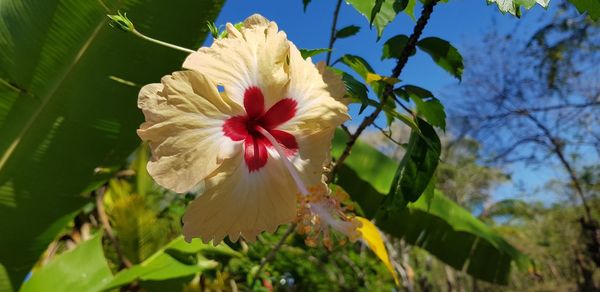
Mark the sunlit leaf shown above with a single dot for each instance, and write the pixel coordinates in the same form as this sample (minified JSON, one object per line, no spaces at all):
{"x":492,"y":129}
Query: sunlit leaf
{"x":443,"y":54}
{"x":81,"y":269}
{"x":372,"y":77}
{"x":68,"y":114}
{"x":358,"y":64}
{"x":177,"y":259}
{"x":372,"y":236}
{"x":514,"y":6}
{"x":383,"y":16}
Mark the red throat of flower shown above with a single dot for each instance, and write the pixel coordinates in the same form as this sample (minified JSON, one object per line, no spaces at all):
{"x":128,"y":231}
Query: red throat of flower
{"x":246,"y":127}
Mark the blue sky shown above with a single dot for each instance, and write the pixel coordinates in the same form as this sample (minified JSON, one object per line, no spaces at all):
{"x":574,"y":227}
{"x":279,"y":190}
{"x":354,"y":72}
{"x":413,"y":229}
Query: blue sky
{"x":461,"y":22}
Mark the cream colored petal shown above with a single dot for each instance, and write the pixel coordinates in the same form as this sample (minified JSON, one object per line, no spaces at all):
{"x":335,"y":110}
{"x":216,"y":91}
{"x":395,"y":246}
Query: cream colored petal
{"x":184,"y":119}
{"x":317,"y":110}
{"x":239,"y":203}
{"x":255,"y":55}
{"x":334,"y":82}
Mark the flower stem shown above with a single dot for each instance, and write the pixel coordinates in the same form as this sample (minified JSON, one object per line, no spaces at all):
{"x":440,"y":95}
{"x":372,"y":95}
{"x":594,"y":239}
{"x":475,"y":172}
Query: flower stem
{"x":164,"y":44}
{"x":288,"y":164}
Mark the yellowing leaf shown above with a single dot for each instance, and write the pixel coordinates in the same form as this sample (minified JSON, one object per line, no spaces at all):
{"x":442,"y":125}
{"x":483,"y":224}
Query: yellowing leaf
{"x":372,"y":77}
{"x":371,"y":236}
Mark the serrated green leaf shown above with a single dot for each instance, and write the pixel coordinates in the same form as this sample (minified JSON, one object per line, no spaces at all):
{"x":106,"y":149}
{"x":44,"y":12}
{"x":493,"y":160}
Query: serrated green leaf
{"x":306,"y":53}
{"x":443,"y":54}
{"x":69,"y":119}
{"x":514,"y":6}
{"x":347,"y":31}
{"x":383,"y":16}
{"x":592,"y":7}
{"x":82,"y":269}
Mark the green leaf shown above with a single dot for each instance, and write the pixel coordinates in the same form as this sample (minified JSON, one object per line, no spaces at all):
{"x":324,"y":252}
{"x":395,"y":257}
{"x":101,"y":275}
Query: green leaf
{"x":514,"y":6}
{"x":427,"y":105}
{"x":433,"y":222}
{"x":355,"y":89}
{"x":306,"y":53}
{"x":347,"y":31}
{"x":358,"y":64}
{"x":417,"y":167}
{"x":410,"y":9}
{"x":443,"y":54}
{"x":365,"y":175}
{"x":68,"y":114}
{"x":382,"y":16}
{"x":177,"y":259}
{"x":393,"y":47}
{"x":81,"y":269}
{"x":592,"y":7}
{"x":453,"y":235}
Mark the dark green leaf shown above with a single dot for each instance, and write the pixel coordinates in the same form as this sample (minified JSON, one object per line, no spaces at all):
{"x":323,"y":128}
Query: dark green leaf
{"x":452,"y":234}
{"x":427,"y":105}
{"x":394,"y":47}
{"x":592,"y":7}
{"x":416,"y":168}
{"x":433,"y":222}
{"x":355,"y":89}
{"x":81,"y":269}
{"x":68,"y":114}
{"x":443,"y":54}
{"x":383,"y":16}
{"x":347,"y":31}
{"x":306,"y":53}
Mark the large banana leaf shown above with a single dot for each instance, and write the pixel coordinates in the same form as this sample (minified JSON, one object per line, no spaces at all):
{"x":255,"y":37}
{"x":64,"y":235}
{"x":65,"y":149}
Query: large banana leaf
{"x":436,"y":224}
{"x":68,"y":88}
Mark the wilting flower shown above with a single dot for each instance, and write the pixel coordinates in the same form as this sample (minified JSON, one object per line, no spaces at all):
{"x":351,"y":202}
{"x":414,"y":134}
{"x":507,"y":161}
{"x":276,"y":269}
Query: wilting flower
{"x":219,"y":141}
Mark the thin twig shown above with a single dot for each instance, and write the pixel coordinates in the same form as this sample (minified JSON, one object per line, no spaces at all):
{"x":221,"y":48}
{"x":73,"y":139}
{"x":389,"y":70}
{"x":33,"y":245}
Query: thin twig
{"x":332,"y":37}
{"x":109,"y":231}
{"x":271,"y":255}
{"x":406,"y":53}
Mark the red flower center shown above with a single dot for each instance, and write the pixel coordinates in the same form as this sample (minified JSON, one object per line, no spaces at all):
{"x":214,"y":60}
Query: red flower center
{"x":245,"y":128}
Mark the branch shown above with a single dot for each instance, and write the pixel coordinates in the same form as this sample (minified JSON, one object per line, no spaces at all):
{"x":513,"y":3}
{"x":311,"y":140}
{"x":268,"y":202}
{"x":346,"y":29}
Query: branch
{"x":405,"y":54}
{"x":271,"y":255}
{"x":558,"y":150}
{"x":109,"y":231}
{"x":332,"y":37}
{"x":525,"y":111}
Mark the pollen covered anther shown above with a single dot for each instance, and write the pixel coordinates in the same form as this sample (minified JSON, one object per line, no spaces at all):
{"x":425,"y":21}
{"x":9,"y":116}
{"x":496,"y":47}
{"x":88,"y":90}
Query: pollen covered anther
{"x":319,"y":212}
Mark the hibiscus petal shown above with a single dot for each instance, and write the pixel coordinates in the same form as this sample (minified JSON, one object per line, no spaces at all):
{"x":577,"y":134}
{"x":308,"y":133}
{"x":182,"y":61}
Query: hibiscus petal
{"x":316,"y":109}
{"x":255,"y":55}
{"x":183,"y":114}
{"x":334,"y":82}
{"x":237,"y":202}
